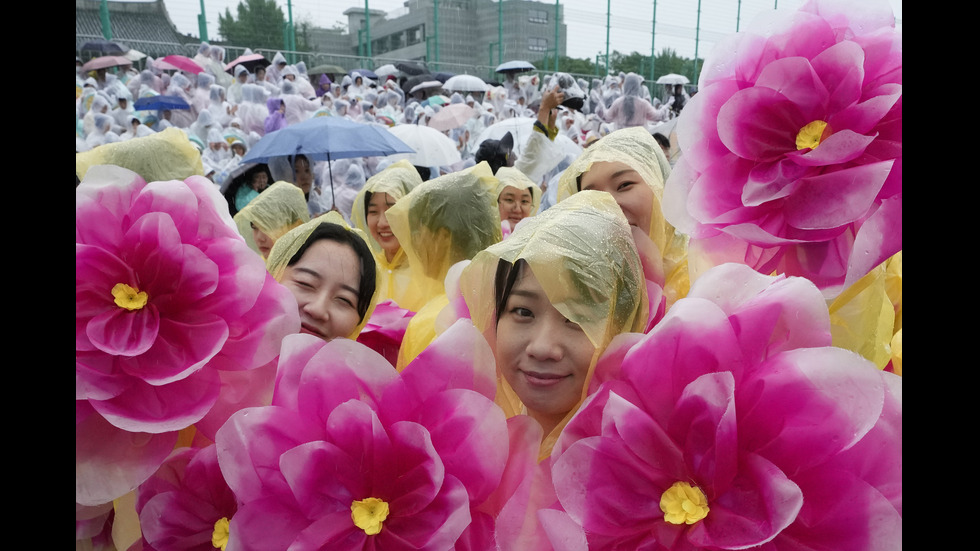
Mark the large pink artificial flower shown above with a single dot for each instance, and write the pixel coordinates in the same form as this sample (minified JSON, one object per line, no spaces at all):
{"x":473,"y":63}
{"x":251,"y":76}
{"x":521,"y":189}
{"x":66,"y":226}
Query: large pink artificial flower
{"x":732,"y":425}
{"x":792,"y":147}
{"x":168,"y":298}
{"x":385,"y":329}
{"x":352,"y":454}
{"x":186,"y":505}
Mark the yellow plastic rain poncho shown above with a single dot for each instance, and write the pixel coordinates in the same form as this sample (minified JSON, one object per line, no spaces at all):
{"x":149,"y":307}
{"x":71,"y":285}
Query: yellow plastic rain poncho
{"x":636,"y":147}
{"x":439,"y":223}
{"x":582,"y":253}
{"x":867,"y":316}
{"x":278,"y":209}
{"x":287,"y":246}
{"x":397,"y":180}
{"x":165,"y":155}
{"x":512,"y":177}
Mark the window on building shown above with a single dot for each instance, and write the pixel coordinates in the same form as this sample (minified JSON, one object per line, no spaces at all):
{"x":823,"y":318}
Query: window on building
{"x":537,"y":44}
{"x":537,"y":16}
{"x":415,"y":35}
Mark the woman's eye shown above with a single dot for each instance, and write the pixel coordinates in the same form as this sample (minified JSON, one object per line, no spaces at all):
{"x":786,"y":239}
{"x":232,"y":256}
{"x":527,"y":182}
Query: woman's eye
{"x":522,"y":312}
{"x":624,"y":185}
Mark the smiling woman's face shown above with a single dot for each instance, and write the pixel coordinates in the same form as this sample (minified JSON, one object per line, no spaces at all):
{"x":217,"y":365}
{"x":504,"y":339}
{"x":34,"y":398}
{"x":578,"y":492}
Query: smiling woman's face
{"x":632,"y":194}
{"x":325,"y":282}
{"x":543,"y":356}
{"x":377,"y":223}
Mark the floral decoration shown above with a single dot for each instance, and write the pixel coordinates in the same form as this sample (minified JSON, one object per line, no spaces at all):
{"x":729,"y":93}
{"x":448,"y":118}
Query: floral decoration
{"x":732,"y":425}
{"x":792,"y":146}
{"x":168,"y":298}
{"x":352,"y":454}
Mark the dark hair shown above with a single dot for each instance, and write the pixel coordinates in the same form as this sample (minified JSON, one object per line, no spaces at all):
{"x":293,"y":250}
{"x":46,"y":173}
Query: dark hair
{"x":503,"y":283}
{"x":339,"y":234}
{"x":424,"y":172}
{"x":244,"y":179}
{"x":661,"y":139}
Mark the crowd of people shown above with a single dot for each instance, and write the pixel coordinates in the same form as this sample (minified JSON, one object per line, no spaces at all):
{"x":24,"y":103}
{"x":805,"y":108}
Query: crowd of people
{"x":230,"y":111}
{"x":484,"y":354}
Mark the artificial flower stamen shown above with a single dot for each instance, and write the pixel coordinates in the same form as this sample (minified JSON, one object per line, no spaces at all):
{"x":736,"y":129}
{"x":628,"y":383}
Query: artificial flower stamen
{"x":219,"y":538}
{"x":128,"y":297}
{"x":368,"y":514}
{"x":810,"y":135}
{"x":683,"y":504}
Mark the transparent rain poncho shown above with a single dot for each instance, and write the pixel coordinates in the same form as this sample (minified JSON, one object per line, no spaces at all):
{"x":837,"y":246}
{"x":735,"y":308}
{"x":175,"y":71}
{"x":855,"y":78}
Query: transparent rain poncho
{"x":444,"y":221}
{"x":278,"y":209}
{"x":441,"y":222}
{"x":397,"y":180}
{"x":287,"y":246}
{"x":165,"y":155}
{"x":582,"y":253}
{"x":636,"y":147}
{"x":512,"y":177}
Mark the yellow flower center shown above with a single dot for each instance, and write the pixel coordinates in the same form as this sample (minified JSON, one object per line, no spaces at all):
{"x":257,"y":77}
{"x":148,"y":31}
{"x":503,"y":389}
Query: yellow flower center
{"x":368,"y":514}
{"x":810,"y":135}
{"x":128,"y":297}
{"x":219,"y":538}
{"x":683,"y":504}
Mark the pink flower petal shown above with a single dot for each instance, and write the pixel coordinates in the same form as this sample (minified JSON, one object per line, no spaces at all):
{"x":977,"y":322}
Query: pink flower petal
{"x":110,"y":462}
{"x":250,"y":444}
{"x":145,"y":408}
{"x":470,"y":434}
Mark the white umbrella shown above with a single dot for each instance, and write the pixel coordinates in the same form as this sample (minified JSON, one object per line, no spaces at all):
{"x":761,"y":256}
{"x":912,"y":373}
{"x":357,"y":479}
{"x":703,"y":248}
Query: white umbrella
{"x":386,"y":70}
{"x":517,"y":66}
{"x":465,"y":83}
{"x":673,"y":78}
{"x":520,"y":128}
{"x":432,"y":148}
{"x":425,"y":85}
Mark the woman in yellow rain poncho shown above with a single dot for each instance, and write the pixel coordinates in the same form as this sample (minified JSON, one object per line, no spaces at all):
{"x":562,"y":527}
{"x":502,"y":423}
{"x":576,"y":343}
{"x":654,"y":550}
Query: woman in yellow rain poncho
{"x":368,"y":214}
{"x":275,"y":211}
{"x":631,"y":166}
{"x":550,"y":298}
{"x":330,"y":270}
{"x":439,"y":223}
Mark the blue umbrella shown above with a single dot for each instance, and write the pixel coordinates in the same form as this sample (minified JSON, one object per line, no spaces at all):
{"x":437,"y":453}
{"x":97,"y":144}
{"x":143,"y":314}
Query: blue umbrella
{"x":160,"y":102}
{"x":326,"y":139}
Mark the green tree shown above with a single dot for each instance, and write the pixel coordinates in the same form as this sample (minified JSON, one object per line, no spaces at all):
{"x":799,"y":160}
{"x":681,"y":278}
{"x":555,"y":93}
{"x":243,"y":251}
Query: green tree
{"x":566,"y":65}
{"x":260,"y":24}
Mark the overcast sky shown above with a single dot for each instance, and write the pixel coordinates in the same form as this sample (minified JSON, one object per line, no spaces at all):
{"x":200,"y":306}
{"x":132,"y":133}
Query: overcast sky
{"x":679,"y":24}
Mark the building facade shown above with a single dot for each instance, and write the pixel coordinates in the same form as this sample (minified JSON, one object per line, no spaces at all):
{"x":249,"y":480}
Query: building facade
{"x":446,"y":34}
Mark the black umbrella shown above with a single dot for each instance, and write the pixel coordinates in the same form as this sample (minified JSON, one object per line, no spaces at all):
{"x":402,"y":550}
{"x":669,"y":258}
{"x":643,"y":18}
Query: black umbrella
{"x":443,"y":76}
{"x":413,"y":81}
{"x":410,"y":68}
{"x":105,"y":47}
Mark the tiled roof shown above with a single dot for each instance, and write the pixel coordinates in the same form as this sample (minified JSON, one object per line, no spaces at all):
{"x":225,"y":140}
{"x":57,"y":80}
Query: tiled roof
{"x":144,"y":26}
